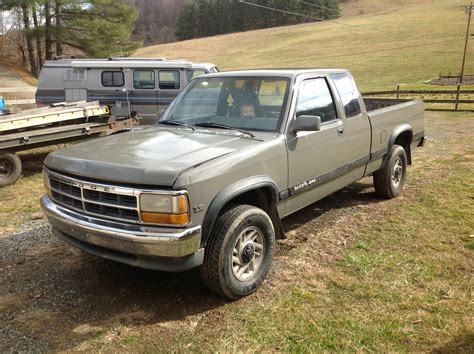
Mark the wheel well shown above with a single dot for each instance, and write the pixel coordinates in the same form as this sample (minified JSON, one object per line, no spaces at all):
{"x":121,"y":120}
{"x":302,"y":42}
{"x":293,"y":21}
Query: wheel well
{"x":265,"y":199}
{"x":260,"y":197}
{"x":404,"y":140}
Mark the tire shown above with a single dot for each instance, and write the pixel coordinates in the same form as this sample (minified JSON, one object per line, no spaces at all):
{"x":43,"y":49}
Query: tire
{"x":242,"y":238}
{"x":389,"y":180}
{"x":10,"y":169}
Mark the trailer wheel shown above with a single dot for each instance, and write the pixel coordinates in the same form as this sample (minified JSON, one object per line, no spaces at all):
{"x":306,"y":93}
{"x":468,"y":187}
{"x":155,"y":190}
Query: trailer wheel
{"x":10,"y":169}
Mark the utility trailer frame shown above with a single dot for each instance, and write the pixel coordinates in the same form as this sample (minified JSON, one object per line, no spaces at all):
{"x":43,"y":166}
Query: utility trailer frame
{"x":56,"y":124}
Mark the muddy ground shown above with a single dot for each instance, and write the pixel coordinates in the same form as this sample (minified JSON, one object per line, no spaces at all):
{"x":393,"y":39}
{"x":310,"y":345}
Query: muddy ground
{"x":53,"y":297}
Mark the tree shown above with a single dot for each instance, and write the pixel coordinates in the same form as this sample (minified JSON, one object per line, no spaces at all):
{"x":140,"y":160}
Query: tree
{"x":99,"y":28}
{"x":201,"y":18}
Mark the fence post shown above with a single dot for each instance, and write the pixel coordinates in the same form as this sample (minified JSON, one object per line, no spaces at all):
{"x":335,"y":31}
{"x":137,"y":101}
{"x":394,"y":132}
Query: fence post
{"x":398,"y":91}
{"x":458,"y":91}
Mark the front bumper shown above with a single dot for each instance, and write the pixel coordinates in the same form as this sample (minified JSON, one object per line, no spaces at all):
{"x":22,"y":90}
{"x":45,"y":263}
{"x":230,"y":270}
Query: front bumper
{"x":158,"y":248}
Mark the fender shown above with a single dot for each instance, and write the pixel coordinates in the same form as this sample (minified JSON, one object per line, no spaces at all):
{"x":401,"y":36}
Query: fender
{"x":396,"y":133}
{"x":234,"y":190}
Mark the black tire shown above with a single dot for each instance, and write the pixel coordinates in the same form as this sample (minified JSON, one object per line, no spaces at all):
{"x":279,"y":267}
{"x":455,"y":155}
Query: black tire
{"x":389,"y":180}
{"x":222,"y":264}
{"x":10,"y":169}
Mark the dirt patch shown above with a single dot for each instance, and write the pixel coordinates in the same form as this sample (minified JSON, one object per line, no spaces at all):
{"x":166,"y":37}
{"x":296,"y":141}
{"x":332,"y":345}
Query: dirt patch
{"x":56,"y":298}
{"x":19,"y":71}
{"x":451,"y":81}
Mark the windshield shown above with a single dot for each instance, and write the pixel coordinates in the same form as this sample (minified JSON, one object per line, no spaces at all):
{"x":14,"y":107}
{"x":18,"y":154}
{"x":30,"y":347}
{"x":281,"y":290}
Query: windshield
{"x":255,"y":103}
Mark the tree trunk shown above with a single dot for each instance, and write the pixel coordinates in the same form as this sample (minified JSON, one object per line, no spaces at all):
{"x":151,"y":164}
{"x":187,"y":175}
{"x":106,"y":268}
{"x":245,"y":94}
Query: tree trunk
{"x":39,"y":51}
{"x":59,"y":40}
{"x":47,"y":34}
{"x":29,"y":42}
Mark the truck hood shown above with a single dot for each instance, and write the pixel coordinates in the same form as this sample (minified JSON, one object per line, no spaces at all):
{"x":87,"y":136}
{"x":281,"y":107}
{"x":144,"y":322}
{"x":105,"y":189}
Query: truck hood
{"x":152,"y":156}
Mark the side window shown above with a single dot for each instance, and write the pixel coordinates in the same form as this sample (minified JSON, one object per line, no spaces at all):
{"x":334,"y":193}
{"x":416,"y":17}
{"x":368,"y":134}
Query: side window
{"x":168,"y":79}
{"x":74,"y":74}
{"x":144,"y":79}
{"x":348,"y":93}
{"x":112,"y":78}
{"x":191,"y":74}
{"x":314,"y":98}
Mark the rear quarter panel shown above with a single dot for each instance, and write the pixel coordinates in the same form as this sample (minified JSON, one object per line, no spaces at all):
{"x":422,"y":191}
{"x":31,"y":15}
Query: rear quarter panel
{"x":385,"y":122}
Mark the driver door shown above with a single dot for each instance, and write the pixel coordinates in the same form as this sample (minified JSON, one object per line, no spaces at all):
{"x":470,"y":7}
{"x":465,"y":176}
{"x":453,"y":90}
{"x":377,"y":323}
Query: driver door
{"x":317,"y":159}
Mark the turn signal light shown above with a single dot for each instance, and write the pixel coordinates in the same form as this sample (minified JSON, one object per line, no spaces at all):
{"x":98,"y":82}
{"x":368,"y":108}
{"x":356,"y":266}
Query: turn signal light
{"x":163,"y":218}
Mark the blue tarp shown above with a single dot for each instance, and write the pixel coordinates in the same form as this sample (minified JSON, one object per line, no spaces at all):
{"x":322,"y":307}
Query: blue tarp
{"x":2,"y":104}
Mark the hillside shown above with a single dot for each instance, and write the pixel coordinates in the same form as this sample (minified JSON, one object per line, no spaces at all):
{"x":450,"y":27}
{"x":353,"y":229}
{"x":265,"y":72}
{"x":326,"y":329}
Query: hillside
{"x":407,"y":45}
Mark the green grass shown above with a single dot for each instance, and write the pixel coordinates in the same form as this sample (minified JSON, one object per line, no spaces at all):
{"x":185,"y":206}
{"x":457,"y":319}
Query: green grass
{"x":407,"y":46}
{"x":405,"y":285}
{"x":20,"y":201}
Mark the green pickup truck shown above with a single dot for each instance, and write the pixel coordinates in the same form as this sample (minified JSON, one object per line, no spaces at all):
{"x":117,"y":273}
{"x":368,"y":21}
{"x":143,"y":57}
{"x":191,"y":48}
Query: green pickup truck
{"x":208,"y":184}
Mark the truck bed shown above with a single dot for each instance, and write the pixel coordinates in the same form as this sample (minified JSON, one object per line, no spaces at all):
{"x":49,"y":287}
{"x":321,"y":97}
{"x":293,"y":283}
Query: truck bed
{"x":384,"y":120}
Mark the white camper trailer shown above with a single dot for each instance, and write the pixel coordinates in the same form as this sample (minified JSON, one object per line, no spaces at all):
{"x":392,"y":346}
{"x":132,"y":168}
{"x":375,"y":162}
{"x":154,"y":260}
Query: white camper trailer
{"x":141,"y":85}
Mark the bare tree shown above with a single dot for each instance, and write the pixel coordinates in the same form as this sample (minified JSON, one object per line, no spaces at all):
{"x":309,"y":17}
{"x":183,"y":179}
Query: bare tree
{"x":39,"y":49}
{"x":47,"y":34}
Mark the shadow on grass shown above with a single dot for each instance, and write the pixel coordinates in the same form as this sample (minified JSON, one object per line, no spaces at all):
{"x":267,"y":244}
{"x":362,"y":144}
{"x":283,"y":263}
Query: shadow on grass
{"x":32,"y":163}
{"x":356,"y":194}
{"x":460,"y":344}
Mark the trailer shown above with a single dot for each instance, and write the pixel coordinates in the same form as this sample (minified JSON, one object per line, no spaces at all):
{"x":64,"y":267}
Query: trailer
{"x":59,"y":123}
{"x":145,"y":85}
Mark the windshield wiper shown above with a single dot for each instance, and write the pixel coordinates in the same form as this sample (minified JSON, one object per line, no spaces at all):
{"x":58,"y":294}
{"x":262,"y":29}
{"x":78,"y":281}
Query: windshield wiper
{"x":223,"y":126}
{"x":177,"y":122}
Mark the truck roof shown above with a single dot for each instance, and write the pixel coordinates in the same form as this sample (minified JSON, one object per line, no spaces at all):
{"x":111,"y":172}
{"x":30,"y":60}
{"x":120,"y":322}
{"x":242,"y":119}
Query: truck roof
{"x":128,"y":63}
{"x":285,"y":72}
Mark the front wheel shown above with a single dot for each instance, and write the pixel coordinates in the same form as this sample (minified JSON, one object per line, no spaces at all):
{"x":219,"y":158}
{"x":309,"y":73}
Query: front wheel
{"x":239,"y":252}
{"x":389,"y":180}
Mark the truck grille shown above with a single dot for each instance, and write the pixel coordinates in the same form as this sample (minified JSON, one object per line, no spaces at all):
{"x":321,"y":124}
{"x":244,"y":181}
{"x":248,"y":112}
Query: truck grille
{"x":95,"y":199}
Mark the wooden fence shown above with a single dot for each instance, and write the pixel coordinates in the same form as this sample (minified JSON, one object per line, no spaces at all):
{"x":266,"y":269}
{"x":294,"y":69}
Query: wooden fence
{"x":427,"y":97}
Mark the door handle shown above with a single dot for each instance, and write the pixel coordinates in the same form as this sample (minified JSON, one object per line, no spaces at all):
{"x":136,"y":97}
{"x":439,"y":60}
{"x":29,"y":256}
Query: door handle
{"x":340,"y":131}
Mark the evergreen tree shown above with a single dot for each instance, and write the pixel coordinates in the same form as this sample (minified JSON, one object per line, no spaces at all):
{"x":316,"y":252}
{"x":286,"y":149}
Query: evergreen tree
{"x":201,"y":18}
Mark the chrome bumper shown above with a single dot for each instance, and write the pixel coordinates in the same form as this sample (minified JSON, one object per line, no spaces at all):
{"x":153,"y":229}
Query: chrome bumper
{"x":137,"y":245}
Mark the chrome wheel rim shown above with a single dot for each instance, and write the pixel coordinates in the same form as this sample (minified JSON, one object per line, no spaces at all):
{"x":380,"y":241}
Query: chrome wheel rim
{"x":247,"y":254}
{"x":397,"y":173}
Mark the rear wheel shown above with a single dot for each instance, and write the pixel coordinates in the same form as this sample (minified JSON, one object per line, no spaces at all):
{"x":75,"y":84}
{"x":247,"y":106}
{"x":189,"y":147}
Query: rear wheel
{"x":10,"y":169}
{"x":239,"y":252}
{"x":389,"y":180}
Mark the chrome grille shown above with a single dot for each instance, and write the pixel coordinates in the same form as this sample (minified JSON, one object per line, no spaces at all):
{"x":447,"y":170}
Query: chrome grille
{"x":116,"y":203}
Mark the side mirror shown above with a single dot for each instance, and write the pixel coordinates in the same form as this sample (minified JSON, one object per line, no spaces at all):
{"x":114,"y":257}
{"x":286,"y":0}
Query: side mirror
{"x":306,"y":123}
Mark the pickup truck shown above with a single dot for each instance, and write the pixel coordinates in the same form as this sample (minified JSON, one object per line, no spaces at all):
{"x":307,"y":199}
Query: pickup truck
{"x":208,"y":184}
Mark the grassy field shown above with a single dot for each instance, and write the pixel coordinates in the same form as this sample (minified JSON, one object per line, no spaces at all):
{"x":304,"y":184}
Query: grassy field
{"x":408,"y":46}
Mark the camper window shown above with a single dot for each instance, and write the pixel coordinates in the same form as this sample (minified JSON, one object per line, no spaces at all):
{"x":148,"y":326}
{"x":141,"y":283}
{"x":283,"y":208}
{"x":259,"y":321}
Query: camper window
{"x":112,"y":78}
{"x":168,"y":79}
{"x":144,"y":79}
{"x":74,"y":74}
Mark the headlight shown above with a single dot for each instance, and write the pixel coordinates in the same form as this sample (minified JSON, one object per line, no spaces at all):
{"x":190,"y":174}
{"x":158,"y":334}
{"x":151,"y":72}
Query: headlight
{"x":164,"y":209}
{"x":47,"y":185}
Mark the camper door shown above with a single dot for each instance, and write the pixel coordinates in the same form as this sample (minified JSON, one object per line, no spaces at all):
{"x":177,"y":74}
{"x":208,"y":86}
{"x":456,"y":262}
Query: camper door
{"x":170,"y":83}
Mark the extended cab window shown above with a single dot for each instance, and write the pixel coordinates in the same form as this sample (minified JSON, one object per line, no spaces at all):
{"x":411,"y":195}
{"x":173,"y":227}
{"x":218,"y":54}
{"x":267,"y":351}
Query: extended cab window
{"x":348,"y":93}
{"x":314,"y":99}
{"x":144,"y":79}
{"x":168,"y":79}
{"x":112,"y":78}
